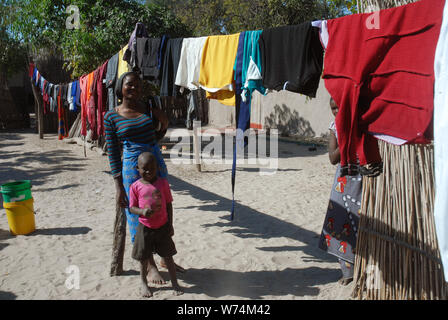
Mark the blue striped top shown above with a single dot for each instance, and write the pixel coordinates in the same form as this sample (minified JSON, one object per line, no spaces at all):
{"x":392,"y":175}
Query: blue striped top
{"x":119,"y":129}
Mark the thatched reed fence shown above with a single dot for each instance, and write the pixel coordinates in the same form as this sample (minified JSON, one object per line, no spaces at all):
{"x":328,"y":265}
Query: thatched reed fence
{"x":397,"y":251}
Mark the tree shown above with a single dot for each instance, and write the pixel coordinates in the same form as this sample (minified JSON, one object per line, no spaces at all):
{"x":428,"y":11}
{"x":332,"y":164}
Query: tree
{"x":104,"y":27}
{"x":231,"y":16}
{"x":13,"y":52}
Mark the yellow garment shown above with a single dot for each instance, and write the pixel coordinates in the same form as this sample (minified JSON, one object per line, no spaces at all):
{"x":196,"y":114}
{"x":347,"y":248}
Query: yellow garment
{"x":122,"y":65}
{"x":216,"y":72}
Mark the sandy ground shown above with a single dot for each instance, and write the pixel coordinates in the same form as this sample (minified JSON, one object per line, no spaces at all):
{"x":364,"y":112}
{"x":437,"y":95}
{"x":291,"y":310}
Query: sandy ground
{"x":269,"y":251}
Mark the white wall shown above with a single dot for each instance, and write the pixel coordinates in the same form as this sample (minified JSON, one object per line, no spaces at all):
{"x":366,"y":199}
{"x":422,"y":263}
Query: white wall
{"x":289,"y":112}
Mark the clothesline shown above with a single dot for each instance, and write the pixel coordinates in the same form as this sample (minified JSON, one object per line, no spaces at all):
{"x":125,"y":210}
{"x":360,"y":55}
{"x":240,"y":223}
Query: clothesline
{"x":181,"y":60}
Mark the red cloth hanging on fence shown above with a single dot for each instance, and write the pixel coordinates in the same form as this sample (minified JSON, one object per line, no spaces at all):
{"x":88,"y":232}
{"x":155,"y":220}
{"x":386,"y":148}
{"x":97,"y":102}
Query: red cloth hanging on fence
{"x":379,"y":69}
{"x":62,"y":121}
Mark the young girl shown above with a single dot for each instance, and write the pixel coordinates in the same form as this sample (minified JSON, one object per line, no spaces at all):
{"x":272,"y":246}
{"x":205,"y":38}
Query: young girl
{"x":340,"y":227}
{"x":150,"y":198}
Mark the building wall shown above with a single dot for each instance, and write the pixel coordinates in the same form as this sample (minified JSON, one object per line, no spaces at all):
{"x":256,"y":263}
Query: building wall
{"x":291,"y":113}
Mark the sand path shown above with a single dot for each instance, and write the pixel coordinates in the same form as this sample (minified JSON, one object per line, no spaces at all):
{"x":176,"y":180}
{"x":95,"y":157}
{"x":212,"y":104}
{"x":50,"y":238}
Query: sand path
{"x":269,"y":251}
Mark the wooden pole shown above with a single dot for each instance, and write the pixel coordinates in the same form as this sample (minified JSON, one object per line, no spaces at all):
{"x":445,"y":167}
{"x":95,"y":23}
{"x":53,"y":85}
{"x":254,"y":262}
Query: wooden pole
{"x":40,"y":110}
{"x":197,"y":144}
{"x":119,"y":242}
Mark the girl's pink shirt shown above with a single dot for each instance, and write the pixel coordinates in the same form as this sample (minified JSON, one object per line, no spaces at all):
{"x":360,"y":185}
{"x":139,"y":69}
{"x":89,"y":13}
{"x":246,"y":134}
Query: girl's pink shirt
{"x":141,"y":195}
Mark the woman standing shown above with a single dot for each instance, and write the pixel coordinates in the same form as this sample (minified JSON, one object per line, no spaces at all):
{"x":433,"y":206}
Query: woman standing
{"x":129,"y":131}
{"x":340,"y":228}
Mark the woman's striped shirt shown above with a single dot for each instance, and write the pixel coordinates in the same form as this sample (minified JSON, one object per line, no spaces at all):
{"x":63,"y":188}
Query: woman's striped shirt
{"x":120,"y":129}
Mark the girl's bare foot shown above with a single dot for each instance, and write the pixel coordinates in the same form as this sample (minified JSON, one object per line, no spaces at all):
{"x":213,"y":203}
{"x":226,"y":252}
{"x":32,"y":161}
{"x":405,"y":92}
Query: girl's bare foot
{"x":178,"y":268}
{"x":146,"y":291}
{"x":154,"y":275}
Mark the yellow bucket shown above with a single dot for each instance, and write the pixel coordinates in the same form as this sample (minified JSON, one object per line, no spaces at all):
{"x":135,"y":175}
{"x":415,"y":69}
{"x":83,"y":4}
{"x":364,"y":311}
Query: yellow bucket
{"x":20,"y":216}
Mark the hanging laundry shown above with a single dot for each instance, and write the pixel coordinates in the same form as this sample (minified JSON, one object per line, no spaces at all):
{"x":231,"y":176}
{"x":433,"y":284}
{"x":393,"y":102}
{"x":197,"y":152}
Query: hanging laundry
{"x":130,"y":55}
{"x":62,"y":122}
{"x":31,"y":69}
{"x":46,"y":98}
{"x":161,"y":56}
{"x":251,"y":65}
{"x":54,"y":104}
{"x":72,"y":98}
{"x":85,"y":95}
{"x":216,"y":70}
{"x":101,"y":99}
{"x":323,"y":31}
{"x":111,"y":77}
{"x":63,"y":94}
{"x":41,"y":84}
{"x":69,"y":95}
{"x":440,"y":141}
{"x":122,"y":66}
{"x":242,"y":113}
{"x":34,"y":75}
{"x":189,"y":63}
{"x":291,"y":58}
{"x":170,"y":66}
{"x":50,"y":96}
{"x":377,"y":84}
{"x":91,"y":105}
{"x":37,"y":78}
{"x":78,"y":95}
{"x":193,"y":109}
{"x":148,"y":58}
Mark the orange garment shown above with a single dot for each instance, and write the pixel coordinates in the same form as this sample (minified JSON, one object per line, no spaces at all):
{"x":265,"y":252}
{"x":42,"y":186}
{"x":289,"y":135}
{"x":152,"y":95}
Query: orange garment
{"x":85,"y":83}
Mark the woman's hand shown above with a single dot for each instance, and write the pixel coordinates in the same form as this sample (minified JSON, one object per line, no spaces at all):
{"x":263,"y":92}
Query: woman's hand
{"x":121,"y":198}
{"x":161,"y":116}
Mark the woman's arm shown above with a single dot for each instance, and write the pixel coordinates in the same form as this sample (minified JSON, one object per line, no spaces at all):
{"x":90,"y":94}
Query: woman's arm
{"x":114,"y":154}
{"x":333,"y":149}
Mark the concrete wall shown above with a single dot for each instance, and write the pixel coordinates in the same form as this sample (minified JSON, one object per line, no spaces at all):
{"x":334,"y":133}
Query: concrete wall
{"x":289,"y":112}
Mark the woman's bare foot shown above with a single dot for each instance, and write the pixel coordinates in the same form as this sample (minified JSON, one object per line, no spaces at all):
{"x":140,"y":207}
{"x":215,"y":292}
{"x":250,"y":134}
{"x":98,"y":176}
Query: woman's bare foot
{"x":154,"y":275}
{"x":146,"y":291}
{"x":345,"y":281}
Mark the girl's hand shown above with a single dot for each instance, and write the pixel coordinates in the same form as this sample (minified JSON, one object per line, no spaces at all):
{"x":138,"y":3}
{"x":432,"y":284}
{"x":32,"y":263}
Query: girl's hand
{"x":148,"y":212}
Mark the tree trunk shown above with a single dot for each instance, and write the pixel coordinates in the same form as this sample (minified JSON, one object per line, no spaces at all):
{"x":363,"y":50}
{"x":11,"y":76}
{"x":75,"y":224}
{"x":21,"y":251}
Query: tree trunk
{"x":119,"y":242}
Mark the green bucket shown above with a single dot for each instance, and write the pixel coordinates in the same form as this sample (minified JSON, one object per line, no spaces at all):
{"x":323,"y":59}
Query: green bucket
{"x":16,"y":191}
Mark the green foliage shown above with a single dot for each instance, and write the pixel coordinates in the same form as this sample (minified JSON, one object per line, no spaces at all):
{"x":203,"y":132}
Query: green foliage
{"x":105,"y":27}
{"x":12,"y":52}
{"x":350,"y":5}
{"x":231,"y":16}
